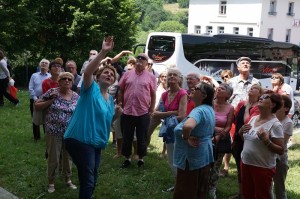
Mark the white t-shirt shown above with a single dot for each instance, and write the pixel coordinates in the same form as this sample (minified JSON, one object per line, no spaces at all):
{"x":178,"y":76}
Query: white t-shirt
{"x":288,"y":127}
{"x":287,"y":90}
{"x":255,"y":152}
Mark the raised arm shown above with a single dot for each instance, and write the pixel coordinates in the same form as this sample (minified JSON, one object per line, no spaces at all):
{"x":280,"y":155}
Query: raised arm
{"x":120,"y":55}
{"x":107,"y":45}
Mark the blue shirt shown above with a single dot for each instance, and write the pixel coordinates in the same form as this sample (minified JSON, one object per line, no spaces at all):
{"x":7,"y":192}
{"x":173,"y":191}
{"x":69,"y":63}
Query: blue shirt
{"x":92,"y":118}
{"x":202,"y":155}
{"x":35,"y":84}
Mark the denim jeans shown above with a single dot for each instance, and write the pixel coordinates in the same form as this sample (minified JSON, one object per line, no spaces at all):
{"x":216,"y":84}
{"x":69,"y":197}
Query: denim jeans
{"x":87,"y":160}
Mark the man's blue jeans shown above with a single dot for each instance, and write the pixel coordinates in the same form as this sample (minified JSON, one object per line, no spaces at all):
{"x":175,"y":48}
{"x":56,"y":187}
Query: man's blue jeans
{"x":87,"y":160}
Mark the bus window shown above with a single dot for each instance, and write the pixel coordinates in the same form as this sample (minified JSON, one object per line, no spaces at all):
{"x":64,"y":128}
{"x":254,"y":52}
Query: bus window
{"x":161,"y":48}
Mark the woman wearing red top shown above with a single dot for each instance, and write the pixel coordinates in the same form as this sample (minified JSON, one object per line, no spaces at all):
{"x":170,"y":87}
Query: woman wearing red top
{"x":174,"y":102}
{"x":244,"y":111}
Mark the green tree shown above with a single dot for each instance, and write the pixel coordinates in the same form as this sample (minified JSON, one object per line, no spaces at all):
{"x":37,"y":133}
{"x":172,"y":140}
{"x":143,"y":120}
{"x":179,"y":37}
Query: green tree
{"x":151,"y":14}
{"x":171,"y":26}
{"x":183,"y":3}
{"x":67,"y":28}
{"x":182,"y":17}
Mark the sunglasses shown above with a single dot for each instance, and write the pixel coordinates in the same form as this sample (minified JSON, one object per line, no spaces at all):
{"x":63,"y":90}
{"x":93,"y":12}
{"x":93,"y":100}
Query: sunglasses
{"x":274,"y":77}
{"x":66,"y":78}
{"x":225,"y":76}
{"x":141,"y":58}
{"x":264,"y":97}
{"x":150,"y":64}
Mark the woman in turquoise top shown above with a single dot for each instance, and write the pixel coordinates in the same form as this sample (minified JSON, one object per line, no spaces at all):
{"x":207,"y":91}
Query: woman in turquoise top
{"x":89,"y":128}
{"x":193,"y":152}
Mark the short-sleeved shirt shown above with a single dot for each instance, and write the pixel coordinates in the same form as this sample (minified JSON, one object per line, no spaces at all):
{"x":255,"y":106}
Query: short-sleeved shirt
{"x":91,"y":121}
{"x":4,"y":72}
{"x":47,"y":84}
{"x":288,"y":127}
{"x":201,"y":155}
{"x":240,"y":88}
{"x":59,"y":113}
{"x":137,"y":89}
{"x":287,"y":90}
{"x":255,"y":151}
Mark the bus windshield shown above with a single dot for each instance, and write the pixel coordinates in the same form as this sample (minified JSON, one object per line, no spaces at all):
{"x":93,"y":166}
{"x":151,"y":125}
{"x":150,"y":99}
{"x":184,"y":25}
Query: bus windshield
{"x":161,"y":48}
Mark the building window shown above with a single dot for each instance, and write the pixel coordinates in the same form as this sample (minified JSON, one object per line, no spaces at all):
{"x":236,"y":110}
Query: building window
{"x":272,"y":10}
{"x":270,"y":33}
{"x":223,"y":5}
{"x":288,"y":35}
{"x":209,"y":29}
{"x":236,"y":30}
{"x":291,"y":9}
{"x":197,"y":29}
{"x":250,"y":32}
{"x":220,"y":29}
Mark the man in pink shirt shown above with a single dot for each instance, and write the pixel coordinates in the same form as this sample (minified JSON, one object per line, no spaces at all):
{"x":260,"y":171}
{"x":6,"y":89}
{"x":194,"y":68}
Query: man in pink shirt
{"x":137,"y":96}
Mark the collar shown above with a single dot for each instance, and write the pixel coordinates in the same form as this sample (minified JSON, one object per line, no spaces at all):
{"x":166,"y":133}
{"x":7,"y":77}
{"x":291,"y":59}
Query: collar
{"x":46,"y":74}
{"x":250,"y":78}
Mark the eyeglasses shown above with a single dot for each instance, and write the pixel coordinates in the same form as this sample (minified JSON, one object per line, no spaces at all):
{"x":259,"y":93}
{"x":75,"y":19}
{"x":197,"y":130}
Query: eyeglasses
{"x":172,"y":74}
{"x":163,"y":76}
{"x":191,"y":78}
{"x":57,"y":65}
{"x":150,"y":64}
{"x":66,"y":78}
{"x":274,"y":77}
{"x":141,"y":58}
{"x":264,"y":97}
{"x":225,"y":76}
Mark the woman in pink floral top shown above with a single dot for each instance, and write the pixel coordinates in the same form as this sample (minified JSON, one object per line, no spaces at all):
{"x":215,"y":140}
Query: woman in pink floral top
{"x":60,"y":104}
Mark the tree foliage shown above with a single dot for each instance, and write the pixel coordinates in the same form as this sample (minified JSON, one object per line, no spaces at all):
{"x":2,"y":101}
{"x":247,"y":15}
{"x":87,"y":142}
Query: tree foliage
{"x":171,"y":26}
{"x":66,"y":28}
{"x":183,"y":3}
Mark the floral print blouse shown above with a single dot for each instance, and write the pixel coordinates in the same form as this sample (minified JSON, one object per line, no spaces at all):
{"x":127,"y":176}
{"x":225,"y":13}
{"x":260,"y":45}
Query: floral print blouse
{"x":59,"y":113}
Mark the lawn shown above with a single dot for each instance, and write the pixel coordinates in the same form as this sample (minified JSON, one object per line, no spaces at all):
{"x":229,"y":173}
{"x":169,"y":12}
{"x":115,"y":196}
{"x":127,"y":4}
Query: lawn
{"x":23,"y":166}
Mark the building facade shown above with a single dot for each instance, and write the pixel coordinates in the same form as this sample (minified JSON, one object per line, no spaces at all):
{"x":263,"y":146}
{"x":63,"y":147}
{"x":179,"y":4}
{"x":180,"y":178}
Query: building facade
{"x":274,"y":19}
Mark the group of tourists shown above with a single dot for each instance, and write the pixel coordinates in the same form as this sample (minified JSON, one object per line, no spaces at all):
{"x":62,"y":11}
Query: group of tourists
{"x":201,"y":125}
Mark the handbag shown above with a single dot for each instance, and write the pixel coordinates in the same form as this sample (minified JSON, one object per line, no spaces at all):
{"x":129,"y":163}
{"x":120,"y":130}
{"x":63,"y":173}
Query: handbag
{"x":38,"y":117}
{"x":224,"y":145}
{"x":167,"y":129}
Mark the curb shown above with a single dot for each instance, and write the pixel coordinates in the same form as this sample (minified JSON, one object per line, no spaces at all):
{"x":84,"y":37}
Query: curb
{"x":6,"y":195}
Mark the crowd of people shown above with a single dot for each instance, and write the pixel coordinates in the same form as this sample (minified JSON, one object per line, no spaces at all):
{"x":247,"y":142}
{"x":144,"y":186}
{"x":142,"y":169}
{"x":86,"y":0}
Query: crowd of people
{"x":213,"y":120}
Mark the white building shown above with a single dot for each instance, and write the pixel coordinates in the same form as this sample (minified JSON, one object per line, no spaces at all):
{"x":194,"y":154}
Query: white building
{"x":274,"y":19}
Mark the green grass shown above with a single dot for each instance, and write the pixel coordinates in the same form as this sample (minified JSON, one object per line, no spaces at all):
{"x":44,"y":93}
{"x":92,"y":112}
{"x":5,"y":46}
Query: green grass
{"x":23,"y":167}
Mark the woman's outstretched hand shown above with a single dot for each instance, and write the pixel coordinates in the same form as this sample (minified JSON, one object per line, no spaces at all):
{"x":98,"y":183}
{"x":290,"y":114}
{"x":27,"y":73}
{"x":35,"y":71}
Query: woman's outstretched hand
{"x":108,"y":43}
